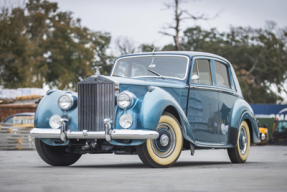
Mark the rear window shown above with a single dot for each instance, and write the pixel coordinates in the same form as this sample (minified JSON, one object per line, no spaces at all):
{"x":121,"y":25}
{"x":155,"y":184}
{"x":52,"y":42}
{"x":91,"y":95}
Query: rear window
{"x":222,"y":75}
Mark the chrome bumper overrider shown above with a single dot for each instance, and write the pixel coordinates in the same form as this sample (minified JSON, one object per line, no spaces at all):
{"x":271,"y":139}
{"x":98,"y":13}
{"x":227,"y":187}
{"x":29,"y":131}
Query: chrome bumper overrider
{"x":114,"y":134}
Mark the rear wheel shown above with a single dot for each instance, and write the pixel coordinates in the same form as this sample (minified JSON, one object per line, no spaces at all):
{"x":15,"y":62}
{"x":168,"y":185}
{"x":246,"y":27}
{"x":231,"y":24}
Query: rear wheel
{"x":165,"y":150}
{"x":55,"y":155}
{"x":240,"y":153}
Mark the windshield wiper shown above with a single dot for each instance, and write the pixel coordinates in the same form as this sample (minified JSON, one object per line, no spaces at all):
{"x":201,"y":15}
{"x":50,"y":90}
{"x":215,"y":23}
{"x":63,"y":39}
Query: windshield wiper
{"x":155,"y":73}
{"x":117,"y":75}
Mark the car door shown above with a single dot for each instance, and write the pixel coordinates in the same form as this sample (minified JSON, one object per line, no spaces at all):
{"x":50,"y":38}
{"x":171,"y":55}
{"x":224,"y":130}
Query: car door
{"x":226,"y":97}
{"x":202,"y":111}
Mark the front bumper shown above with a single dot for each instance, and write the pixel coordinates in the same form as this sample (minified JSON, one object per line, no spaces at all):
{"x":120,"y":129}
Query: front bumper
{"x":44,"y":133}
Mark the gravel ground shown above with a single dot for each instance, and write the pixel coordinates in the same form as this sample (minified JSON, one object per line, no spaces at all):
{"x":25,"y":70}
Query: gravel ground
{"x":208,"y":170}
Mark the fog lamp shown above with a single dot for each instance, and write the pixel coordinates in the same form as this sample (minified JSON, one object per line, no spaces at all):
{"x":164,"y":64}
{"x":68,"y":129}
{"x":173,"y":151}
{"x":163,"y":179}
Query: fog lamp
{"x":126,"y":121}
{"x":55,"y":121}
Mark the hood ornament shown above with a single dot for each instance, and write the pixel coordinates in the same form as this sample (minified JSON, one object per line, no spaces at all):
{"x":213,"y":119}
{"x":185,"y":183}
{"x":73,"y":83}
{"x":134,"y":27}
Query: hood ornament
{"x":98,"y":70}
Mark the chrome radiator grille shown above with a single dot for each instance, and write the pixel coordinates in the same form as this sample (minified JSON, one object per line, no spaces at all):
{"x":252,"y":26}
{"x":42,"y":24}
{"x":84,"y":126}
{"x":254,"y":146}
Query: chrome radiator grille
{"x":96,"y":101}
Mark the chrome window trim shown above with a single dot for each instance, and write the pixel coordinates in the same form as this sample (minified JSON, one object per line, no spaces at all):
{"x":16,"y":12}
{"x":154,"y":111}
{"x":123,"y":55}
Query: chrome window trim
{"x":191,"y":69}
{"x":186,"y":71}
{"x":229,"y":74}
{"x":230,"y":71}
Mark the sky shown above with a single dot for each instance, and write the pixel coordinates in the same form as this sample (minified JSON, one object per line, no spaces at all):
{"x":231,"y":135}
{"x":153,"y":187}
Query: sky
{"x":141,"y":20}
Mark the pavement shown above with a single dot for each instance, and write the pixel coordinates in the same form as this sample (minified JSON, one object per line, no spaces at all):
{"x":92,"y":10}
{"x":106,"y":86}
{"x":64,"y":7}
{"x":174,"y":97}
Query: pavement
{"x":208,"y":170}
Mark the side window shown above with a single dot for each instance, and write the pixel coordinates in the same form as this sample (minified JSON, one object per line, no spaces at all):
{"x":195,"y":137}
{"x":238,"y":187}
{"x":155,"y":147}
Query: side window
{"x":222,"y":76}
{"x":201,"y":67}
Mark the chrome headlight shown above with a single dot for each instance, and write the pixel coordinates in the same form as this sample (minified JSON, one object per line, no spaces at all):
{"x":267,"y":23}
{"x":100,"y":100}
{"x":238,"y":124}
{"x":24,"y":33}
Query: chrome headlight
{"x":125,"y":99}
{"x":66,"y":101}
{"x":126,"y":121}
{"x":55,"y":121}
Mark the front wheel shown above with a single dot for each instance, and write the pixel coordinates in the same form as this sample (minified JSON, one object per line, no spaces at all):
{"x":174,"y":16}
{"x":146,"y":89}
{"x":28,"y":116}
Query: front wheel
{"x":240,"y":153}
{"x":165,"y":150}
{"x":55,"y":155}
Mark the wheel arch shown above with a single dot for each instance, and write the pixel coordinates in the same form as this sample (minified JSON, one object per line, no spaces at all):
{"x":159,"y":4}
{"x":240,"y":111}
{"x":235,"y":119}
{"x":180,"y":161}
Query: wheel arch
{"x":158,"y":101}
{"x":243,"y":112}
{"x":250,"y":129}
{"x":172,"y":110}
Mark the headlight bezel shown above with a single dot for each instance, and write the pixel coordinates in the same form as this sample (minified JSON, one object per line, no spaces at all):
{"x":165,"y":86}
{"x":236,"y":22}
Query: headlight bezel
{"x":71,"y":98}
{"x":130,"y":100}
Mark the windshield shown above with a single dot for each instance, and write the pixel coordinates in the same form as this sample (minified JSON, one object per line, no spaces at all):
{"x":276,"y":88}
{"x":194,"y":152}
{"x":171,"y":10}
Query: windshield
{"x":152,"y":66}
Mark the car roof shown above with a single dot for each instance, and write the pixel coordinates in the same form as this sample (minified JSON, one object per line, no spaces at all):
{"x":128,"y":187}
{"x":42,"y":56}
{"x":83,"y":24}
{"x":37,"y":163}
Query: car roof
{"x":186,"y":53}
{"x":23,"y":114}
{"x":20,"y":114}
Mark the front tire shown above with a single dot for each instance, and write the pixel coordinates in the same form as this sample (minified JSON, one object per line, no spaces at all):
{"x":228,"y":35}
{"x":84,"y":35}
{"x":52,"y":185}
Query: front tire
{"x":165,"y":150}
{"x":55,"y":155}
{"x":240,"y":153}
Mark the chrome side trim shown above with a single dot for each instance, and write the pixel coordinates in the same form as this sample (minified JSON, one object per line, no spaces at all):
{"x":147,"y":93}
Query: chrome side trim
{"x":212,"y":145}
{"x":215,"y":89}
{"x":45,"y":133}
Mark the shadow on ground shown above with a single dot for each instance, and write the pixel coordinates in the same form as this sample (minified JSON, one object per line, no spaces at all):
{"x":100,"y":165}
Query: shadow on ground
{"x":141,"y":165}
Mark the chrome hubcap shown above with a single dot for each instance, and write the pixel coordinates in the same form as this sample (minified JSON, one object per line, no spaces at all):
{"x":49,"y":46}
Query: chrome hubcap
{"x":243,"y":140}
{"x":165,"y":144}
{"x":164,"y":140}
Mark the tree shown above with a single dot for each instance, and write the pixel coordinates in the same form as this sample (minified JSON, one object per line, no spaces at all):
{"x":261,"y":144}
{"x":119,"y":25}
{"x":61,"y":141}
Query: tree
{"x":47,"y":45}
{"x":125,"y":45}
{"x":179,"y":16}
{"x":258,"y":57}
{"x":147,"y":48}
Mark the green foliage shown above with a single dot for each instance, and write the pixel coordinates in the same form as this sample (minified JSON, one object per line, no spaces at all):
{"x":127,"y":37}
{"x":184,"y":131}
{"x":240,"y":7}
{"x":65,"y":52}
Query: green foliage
{"x":169,"y":47}
{"x":45,"y":45}
{"x":258,"y":56}
{"x":147,"y":48}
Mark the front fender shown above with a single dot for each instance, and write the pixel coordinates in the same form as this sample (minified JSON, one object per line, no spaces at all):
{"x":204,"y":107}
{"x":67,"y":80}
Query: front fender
{"x":154,"y":104}
{"x":49,"y":107}
{"x":242,"y":111}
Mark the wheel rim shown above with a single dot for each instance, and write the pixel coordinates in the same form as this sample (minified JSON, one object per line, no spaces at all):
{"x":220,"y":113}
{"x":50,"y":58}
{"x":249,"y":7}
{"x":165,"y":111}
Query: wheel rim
{"x":164,"y":145}
{"x":243,"y":140}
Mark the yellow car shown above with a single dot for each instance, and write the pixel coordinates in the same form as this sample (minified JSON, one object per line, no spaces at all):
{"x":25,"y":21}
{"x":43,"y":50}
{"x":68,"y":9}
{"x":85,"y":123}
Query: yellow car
{"x":263,"y":130}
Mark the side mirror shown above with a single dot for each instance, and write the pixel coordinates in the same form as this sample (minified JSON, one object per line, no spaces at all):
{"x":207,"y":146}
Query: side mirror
{"x":195,"y":79}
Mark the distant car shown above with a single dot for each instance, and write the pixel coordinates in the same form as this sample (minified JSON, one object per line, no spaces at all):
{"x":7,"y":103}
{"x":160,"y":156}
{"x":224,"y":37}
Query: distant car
{"x":279,"y":132}
{"x":263,"y":130}
{"x":10,"y":118}
{"x":154,"y":105}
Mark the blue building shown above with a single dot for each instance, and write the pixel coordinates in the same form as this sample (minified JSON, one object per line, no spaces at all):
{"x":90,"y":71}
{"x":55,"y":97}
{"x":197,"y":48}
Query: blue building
{"x":270,"y":111}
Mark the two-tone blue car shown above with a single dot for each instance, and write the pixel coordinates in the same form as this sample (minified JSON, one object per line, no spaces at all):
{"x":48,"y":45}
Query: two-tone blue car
{"x":154,"y":105}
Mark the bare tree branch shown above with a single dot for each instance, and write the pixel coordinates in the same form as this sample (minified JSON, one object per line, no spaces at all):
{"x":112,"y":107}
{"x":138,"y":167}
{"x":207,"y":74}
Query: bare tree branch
{"x":255,"y":62}
{"x":125,"y":45}
{"x":164,"y":33}
{"x":179,"y":16}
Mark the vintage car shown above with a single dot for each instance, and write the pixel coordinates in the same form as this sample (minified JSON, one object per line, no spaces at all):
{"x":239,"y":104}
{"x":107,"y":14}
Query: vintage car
{"x":152,"y":104}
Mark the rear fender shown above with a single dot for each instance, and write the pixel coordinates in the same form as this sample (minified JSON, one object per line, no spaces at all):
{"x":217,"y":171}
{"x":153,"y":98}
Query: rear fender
{"x":243,"y":112}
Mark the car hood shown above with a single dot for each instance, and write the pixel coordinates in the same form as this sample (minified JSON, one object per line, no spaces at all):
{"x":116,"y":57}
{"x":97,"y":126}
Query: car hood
{"x":148,"y":82}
